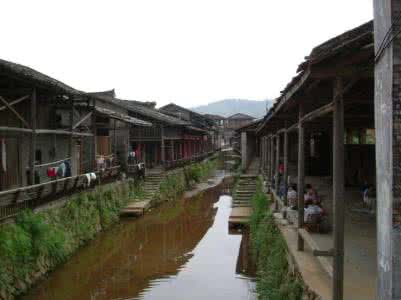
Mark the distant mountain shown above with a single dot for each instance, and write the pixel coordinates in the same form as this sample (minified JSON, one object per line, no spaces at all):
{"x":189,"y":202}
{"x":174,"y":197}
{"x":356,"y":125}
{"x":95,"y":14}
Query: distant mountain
{"x":229,"y":107}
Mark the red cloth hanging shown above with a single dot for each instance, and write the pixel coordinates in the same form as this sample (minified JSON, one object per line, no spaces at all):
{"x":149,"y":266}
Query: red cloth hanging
{"x":138,"y":152}
{"x":51,"y":172}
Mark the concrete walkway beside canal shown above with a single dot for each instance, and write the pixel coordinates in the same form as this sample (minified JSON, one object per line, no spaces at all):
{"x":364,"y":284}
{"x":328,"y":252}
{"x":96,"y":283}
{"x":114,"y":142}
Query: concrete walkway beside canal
{"x":360,"y":253}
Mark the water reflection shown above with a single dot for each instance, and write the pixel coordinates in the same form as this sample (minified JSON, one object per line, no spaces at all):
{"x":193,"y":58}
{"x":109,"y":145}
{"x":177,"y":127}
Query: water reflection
{"x":181,"y":250}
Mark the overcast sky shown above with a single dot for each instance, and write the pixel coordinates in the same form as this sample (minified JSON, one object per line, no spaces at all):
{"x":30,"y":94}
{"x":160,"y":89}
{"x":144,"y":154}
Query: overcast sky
{"x":184,"y":51}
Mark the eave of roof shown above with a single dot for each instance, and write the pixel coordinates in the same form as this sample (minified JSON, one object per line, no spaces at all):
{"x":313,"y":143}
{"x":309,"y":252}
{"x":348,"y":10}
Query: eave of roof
{"x":151,"y":113}
{"x":354,"y":37}
{"x":240,"y":116}
{"x":122,"y":117}
{"x":250,"y":127}
{"x":187,"y":110}
{"x":196,"y":129}
{"x":37,"y":78}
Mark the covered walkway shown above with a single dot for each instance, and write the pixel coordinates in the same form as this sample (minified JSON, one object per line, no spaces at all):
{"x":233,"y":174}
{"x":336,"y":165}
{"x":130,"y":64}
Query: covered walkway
{"x":319,"y":139}
{"x":360,"y":270}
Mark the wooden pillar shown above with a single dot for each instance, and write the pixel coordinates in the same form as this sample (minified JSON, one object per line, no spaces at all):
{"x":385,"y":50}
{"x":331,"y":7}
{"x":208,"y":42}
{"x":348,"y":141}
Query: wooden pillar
{"x":262,"y":153}
{"x":172,"y":152}
{"x":244,"y":150}
{"x":338,"y":190}
{"x":114,"y":138}
{"x":162,"y":145}
{"x":387,"y":123}
{"x":71,"y":150}
{"x":33,"y":137}
{"x":268,"y":157}
{"x":265,"y":154}
{"x":271,"y":157}
{"x":94,"y":132}
{"x":285,"y":173}
{"x":301,"y":174}
{"x":266,"y":145}
{"x":277,"y":166}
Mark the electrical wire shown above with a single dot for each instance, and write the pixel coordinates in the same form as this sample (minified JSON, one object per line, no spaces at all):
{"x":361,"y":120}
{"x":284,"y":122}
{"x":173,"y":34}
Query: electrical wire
{"x":388,"y":38}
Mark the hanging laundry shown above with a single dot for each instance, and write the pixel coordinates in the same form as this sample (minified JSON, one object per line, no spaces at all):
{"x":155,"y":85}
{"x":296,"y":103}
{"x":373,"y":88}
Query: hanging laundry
{"x":93,"y":176}
{"x":61,"y":170}
{"x":67,"y":168}
{"x":100,"y":162}
{"x":88,"y":180}
{"x":52,"y":172}
{"x":138,"y":152}
{"x":3,"y":155}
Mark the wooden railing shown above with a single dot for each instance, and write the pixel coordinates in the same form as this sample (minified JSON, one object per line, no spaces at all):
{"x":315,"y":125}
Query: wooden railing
{"x":15,"y":200}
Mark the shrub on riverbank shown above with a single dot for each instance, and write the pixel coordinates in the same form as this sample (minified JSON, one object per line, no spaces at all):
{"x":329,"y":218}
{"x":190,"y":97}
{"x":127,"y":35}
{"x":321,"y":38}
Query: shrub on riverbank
{"x":195,"y":173}
{"x":177,"y":182}
{"x":36,"y":243}
{"x":274,"y":281}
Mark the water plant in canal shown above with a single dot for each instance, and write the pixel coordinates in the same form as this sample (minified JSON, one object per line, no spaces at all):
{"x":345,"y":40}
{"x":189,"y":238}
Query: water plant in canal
{"x":274,"y":281}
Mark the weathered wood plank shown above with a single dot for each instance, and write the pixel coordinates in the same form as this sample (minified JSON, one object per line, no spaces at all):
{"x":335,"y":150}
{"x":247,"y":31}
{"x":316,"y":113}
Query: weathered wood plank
{"x":15,"y":112}
{"x":15,"y":102}
{"x":285,"y":173}
{"x":82,"y":120}
{"x":301,"y":174}
{"x":338,"y":190}
{"x":33,"y":136}
{"x":321,"y":111}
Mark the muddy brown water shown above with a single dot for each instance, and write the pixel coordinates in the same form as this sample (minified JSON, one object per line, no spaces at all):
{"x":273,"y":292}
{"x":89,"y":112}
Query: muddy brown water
{"x":180,"y":250}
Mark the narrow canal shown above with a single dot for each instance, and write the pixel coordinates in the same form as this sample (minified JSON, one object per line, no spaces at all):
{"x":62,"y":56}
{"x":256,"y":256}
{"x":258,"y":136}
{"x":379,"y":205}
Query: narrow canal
{"x":180,"y":250}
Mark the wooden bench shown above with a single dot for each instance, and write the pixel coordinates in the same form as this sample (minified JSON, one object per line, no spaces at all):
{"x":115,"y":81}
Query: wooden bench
{"x":320,"y":254}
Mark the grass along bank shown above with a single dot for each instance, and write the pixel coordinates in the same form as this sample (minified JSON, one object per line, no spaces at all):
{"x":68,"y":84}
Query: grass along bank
{"x":274,"y":279}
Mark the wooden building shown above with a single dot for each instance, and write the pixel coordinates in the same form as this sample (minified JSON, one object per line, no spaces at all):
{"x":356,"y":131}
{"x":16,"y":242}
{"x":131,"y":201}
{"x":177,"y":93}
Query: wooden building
{"x":219,"y":129}
{"x":246,"y":142}
{"x":113,"y":125}
{"x":37,"y":128}
{"x":321,"y":131}
{"x":51,"y":136}
{"x":232,"y":123}
{"x":199,"y":123}
{"x":168,"y":139}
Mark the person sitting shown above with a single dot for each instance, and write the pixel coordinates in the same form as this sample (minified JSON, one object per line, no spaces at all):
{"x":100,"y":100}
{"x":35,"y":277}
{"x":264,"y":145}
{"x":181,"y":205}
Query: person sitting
{"x":310,"y":195}
{"x":292,"y":196}
{"x":365,"y":194}
{"x":313,"y":212}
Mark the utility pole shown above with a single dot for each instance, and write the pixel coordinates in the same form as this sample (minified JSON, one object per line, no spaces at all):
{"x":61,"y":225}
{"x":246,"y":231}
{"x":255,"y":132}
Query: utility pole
{"x":388,"y":145}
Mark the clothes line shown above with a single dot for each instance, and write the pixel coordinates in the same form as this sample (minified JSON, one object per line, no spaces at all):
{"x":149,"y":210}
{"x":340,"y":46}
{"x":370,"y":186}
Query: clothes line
{"x":52,"y":163}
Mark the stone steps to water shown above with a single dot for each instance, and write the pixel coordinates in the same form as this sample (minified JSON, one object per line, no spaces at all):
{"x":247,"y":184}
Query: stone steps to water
{"x":244,"y":193}
{"x":151,"y":187}
{"x":241,"y":204}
